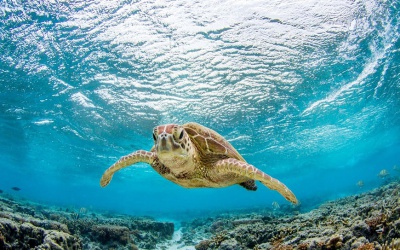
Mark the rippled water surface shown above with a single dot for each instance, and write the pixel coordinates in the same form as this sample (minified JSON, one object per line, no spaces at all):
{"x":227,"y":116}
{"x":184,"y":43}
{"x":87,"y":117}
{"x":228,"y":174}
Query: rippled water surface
{"x":307,"y":91}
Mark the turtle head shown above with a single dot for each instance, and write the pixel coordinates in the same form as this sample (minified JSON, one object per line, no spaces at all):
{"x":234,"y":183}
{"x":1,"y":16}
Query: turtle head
{"x":172,"y":144}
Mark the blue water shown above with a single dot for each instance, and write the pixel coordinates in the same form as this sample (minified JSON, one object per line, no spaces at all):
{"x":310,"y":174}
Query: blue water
{"x":307,"y":91}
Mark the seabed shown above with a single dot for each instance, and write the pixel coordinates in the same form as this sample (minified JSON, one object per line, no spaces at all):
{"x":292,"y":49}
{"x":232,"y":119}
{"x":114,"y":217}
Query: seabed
{"x":370,"y":220}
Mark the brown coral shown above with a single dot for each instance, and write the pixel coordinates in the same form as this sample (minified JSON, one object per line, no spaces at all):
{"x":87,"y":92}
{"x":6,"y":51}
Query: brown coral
{"x":367,"y":246}
{"x":393,"y":245}
{"x":376,"y":221}
{"x":278,"y":239}
{"x":302,"y":246}
{"x":203,"y":245}
{"x":282,"y":247}
{"x":219,"y":238}
{"x":335,"y":242}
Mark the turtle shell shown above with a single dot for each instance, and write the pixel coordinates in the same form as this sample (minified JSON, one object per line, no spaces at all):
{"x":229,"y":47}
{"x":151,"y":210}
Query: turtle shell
{"x":210,"y":142}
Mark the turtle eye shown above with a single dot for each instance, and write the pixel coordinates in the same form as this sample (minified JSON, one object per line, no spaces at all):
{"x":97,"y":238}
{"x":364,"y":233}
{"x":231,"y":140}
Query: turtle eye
{"x":181,"y":135}
{"x":154,"y":136}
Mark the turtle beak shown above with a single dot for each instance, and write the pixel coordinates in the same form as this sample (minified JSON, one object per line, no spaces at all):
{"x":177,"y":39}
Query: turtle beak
{"x":163,"y":145}
{"x":166,"y":142}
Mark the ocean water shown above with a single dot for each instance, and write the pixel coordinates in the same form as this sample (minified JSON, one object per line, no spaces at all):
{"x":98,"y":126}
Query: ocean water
{"x":307,"y":91}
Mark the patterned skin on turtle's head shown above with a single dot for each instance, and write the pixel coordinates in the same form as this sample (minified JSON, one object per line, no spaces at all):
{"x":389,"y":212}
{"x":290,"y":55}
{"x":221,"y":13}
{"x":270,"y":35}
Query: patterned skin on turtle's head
{"x":173,"y":146}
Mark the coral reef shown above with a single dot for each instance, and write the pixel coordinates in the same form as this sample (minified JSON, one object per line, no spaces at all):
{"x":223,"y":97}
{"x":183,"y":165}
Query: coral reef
{"x":30,"y":226}
{"x":21,"y":233}
{"x":367,"y":221}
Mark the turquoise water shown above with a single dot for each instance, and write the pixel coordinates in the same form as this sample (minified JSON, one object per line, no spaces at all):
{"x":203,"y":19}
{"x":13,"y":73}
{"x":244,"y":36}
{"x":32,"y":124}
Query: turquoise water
{"x":308,"y":92}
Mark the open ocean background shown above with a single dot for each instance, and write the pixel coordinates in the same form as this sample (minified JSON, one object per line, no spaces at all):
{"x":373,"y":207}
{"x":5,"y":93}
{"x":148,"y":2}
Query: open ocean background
{"x":307,"y":91}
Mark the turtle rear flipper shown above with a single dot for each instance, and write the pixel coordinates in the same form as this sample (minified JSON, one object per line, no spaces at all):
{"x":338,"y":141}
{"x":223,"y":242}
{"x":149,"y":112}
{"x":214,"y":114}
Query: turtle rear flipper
{"x":232,"y":165}
{"x":249,"y":185}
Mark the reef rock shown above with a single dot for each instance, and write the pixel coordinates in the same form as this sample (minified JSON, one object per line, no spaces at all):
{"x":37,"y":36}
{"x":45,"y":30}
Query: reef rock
{"x":31,"y":226}
{"x":25,"y":235}
{"x":367,"y":221}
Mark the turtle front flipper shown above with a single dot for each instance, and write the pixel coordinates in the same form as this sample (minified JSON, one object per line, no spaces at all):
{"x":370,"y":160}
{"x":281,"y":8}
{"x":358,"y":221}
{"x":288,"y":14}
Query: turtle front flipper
{"x":125,"y":161}
{"x":232,"y":165}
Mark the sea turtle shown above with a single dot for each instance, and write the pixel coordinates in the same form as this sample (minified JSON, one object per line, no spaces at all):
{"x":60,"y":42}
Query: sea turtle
{"x":192,"y":155}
